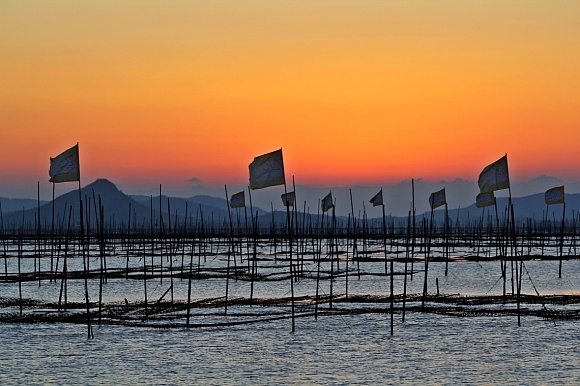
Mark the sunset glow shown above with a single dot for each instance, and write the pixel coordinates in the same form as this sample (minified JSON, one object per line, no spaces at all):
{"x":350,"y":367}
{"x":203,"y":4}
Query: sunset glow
{"x":355,"y":92}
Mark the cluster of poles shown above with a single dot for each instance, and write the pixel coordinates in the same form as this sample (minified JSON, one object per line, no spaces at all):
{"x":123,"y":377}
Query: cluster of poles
{"x":250,"y":246}
{"x":259,"y":251}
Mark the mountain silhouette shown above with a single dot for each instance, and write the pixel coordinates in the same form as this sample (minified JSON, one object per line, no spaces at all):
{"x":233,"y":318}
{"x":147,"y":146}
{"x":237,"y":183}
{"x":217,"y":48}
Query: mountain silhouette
{"x":163,"y":213}
{"x":118,"y":209}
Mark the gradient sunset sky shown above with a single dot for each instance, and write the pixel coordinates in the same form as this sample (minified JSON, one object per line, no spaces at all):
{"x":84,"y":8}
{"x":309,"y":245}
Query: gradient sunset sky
{"x":355,"y":92}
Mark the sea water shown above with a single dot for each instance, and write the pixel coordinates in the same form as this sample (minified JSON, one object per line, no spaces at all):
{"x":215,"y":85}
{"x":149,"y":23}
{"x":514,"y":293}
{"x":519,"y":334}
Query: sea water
{"x":333,"y":349}
{"x":426,"y":349}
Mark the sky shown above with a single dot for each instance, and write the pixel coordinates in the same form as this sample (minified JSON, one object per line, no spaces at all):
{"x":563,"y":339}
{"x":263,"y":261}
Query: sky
{"x":356,"y":93}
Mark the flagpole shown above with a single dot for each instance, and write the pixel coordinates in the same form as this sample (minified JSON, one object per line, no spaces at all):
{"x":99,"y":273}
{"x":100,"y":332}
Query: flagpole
{"x":52,"y":235}
{"x":38,"y":232}
{"x":291,"y":264}
{"x":89,"y":327}
{"x":406,"y":265}
{"x":515,"y":253}
{"x":255,"y":235}
{"x":446,"y":237}
{"x":544,"y":223}
{"x":428,"y":250}
{"x":169,"y":247}
{"x":413,"y":229}
{"x":83,"y":252}
{"x":391,"y":263}
{"x":229,"y":250}
{"x":247,"y":236}
{"x":561,"y":241}
{"x":295,"y":215}
{"x":319,"y":245}
{"x":347,"y":238}
{"x":161,"y":238}
{"x":332,"y":242}
{"x":304,"y":242}
{"x":384,"y":237}
{"x":268,"y":170}
{"x":190,"y":276}
{"x":502,"y":264}
{"x":354,"y":239}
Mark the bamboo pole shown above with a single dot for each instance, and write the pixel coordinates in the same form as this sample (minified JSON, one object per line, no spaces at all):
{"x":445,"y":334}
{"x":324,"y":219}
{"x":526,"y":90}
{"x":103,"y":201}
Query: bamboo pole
{"x":354,"y":240}
{"x":291,"y":263}
{"x":190,"y":278}
{"x":562,"y":240}
{"x":413,"y":233}
{"x":407,"y":247}
{"x":85,"y":265}
{"x":38,"y":228}
{"x":63,"y":286}
{"x":170,"y":246}
{"x":52,"y":236}
{"x":230,"y":246}
{"x":20,"y":252}
{"x":427,"y":252}
{"x":255,"y":244}
{"x":319,"y":245}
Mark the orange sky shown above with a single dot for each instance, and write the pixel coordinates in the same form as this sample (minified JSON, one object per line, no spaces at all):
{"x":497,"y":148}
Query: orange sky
{"x":353,"y":91}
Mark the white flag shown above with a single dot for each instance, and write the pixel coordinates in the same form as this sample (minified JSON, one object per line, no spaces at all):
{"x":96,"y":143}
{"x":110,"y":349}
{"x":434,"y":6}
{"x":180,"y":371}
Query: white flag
{"x":65,"y":166}
{"x":554,"y":195}
{"x":377,"y":199}
{"x":267,"y":170}
{"x":238,"y":200}
{"x":288,"y":198}
{"x":495,"y":176}
{"x":327,"y":202}
{"x":436,"y":199}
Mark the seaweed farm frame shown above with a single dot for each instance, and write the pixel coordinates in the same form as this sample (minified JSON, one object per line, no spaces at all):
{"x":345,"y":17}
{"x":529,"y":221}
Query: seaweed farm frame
{"x":195,"y":274}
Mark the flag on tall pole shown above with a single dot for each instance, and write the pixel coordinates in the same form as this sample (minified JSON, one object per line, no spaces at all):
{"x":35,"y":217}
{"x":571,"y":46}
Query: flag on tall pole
{"x":436,"y":199}
{"x":238,"y":200}
{"x":65,"y":167}
{"x":377,"y":199}
{"x":555,"y":195}
{"x":288,"y":199}
{"x":485,"y":199}
{"x":327,"y":202}
{"x":495,"y":176}
{"x":267,"y":170}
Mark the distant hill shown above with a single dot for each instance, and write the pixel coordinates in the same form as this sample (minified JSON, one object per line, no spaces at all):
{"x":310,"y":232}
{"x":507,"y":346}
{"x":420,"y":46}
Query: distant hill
{"x":528,"y":207}
{"x":116,"y":205}
{"x":146,"y":211}
{"x":118,"y":209}
{"x":18,"y":204}
{"x":178,"y":204}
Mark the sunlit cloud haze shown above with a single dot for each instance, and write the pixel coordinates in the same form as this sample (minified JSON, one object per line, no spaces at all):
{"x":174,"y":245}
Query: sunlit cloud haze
{"x":356,"y":93}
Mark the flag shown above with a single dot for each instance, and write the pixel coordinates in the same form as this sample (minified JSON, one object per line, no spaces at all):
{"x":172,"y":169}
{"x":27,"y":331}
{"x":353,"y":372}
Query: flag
{"x":555,"y":195}
{"x":327,"y":202}
{"x":65,"y":167}
{"x":267,"y":170}
{"x":288,"y":198}
{"x":436,"y":199}
{"x":484,"y":199}
{"x":495,"y":176}
{"x":377,"y":199}
{"x":238,"y":200}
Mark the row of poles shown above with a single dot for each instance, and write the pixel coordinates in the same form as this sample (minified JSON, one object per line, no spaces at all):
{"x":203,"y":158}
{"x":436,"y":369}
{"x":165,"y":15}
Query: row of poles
{"x":506,"y":236}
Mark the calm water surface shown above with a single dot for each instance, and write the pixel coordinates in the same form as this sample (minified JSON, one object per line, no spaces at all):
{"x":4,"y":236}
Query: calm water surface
{"x":426,"y":349}
{"x":352,"y":349}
